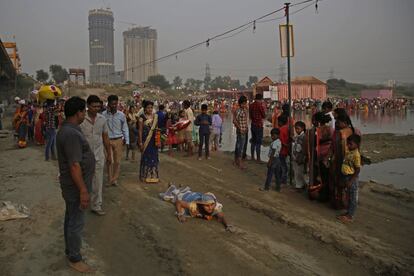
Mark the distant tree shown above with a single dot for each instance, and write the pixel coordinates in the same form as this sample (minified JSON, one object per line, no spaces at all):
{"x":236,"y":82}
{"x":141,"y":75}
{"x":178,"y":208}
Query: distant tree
{"x":235,"y":84}
{"x":160,"y":81}
{"x":193,"y":84}
{"x":59,"y":74}
{"x":177,"y":82}
{"x":252,"y":80}
{"x":41,"y":75}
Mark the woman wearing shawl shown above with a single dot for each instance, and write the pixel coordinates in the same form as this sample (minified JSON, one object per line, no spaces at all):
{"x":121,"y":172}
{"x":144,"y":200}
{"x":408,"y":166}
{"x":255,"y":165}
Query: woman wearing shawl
{"x":344,"y":129}
{"x":20,"y":122}
{"x":320,"y":154}
{"x":147,"y":132}
{"x":195,"y":205}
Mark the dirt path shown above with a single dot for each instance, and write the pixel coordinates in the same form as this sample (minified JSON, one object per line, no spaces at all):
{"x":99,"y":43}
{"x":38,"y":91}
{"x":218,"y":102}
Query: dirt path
{"x":278,"y":233}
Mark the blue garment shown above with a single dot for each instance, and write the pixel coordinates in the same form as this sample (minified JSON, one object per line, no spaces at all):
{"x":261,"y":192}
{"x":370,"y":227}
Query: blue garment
{"x":72,"y":230}
{"x":217,"y":124}
{"x":204,"y":139}
{"x":241,"y":142}
{"x":256,"y":141}
{"x":204,"y":129}
{"x":162,"y":122}
{"x":284,"y":169}
{"x":353,"y":197}
{"x":51,"y":139}
{"x":275,"y":169}
{"x":117,"y":125}
{"x":149,"y":158}
{"x":192,"y":196}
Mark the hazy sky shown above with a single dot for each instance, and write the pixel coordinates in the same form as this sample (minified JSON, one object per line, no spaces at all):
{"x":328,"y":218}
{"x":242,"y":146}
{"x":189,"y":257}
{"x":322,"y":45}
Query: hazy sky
{"x":361,"y":40}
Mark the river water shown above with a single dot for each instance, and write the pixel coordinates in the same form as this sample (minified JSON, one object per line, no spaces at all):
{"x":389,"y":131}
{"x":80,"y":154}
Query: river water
{"x":397,"y":172}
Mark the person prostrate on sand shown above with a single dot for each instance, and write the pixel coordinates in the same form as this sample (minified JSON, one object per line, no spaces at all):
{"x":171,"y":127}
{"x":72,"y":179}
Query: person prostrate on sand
{"x":76,"y":168}
{"x":195,"y":205}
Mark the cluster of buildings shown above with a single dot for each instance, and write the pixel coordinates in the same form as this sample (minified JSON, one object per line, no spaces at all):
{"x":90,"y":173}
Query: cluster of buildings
{"x":301,"y":88}
{"x":140,"y":51}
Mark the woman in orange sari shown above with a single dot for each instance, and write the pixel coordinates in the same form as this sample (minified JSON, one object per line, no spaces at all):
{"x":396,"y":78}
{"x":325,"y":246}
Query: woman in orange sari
{"x":338,"y":193}
{"x":20,"y":122}
{"x":39,"y":122}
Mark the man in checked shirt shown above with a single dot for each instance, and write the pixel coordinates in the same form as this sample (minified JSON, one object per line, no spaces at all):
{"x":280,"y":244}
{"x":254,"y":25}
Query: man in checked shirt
{"x":118,"y":135}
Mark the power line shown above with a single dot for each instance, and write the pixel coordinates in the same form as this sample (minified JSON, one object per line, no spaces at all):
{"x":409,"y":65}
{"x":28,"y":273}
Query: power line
{"x":222,"y":36}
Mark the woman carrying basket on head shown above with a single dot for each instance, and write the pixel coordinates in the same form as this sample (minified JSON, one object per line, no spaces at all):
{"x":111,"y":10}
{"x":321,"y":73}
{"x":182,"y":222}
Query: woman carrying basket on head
{"x":148,"y":142}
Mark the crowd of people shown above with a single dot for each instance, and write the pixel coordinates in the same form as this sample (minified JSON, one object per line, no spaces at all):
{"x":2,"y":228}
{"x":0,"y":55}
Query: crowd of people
{"x":89,"y":136}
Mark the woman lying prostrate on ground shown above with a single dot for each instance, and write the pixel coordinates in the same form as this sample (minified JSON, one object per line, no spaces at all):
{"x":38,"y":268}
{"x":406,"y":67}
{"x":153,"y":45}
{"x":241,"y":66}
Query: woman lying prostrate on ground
{"x":196,"y":205}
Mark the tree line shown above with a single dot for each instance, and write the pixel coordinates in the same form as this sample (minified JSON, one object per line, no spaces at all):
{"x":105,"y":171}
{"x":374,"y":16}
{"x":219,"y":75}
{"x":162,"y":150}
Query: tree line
{"x":58,"y":74}
{"x":219,"y":82}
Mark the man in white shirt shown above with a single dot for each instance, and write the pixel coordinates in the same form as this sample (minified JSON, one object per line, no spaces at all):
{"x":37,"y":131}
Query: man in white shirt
{"x":95,"y":130}
{"x":188,"y":132}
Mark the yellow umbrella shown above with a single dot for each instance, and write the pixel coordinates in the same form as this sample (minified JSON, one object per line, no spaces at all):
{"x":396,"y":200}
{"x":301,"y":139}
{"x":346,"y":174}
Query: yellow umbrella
{"x":49,"y":92}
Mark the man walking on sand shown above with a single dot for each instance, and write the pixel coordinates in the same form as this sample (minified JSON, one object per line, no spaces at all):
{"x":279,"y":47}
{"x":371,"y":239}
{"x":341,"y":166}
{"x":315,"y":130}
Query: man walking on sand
{"x":76,"y":168}
{"x":118,"y":134}
{"x":95,"y":129}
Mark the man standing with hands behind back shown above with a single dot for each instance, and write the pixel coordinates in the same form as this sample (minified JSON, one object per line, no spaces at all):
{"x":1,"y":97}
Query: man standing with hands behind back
{"x":118,"y":132}
{"x":95,"y":129}
{"x":76,"y":167}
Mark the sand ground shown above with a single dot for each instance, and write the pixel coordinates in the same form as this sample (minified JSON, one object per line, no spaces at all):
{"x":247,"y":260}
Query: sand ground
{"x":277,"y":233}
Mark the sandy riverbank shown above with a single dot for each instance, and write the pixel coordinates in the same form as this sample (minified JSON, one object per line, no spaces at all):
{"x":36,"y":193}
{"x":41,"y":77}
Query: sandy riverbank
{"x":278,"y":233}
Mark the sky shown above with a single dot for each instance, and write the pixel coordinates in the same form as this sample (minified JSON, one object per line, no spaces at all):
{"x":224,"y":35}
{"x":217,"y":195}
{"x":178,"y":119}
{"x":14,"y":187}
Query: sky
{"x":368,"y":41}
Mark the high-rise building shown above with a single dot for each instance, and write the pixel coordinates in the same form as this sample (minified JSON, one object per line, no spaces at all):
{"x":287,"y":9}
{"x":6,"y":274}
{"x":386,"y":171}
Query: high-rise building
{"x":101,"y":46}
{"x":140,"y":50}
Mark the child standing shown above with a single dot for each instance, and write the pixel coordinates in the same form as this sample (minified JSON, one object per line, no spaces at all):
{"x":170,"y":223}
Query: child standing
{"x":217,"y":124}
{"x":171,"y":136}
{"x":274,"y":165}
{"x":203,"y":120}
{"x":350,"y":171}
{"x":298,"y":155}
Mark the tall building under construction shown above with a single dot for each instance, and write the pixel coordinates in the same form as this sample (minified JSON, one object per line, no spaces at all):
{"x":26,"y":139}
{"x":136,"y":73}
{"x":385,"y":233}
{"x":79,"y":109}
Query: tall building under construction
{"x":140,"y":50}
{"x":101,"y":46}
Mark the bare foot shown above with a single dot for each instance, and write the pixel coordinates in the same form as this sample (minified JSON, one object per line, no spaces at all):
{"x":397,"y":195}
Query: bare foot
{"x":81,"y":267}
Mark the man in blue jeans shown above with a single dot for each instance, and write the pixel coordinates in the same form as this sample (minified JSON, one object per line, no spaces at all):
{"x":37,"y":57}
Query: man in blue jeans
{"x":240,"y":122}
{"x":50,"y":129}
{"x":257,"y":113}
{"x":76,"y":167}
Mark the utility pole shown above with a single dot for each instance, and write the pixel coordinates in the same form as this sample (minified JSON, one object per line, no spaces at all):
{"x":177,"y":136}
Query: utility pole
{"x":289,"y":87}
{"x":282,"y":73}
{"x":331,"y":73}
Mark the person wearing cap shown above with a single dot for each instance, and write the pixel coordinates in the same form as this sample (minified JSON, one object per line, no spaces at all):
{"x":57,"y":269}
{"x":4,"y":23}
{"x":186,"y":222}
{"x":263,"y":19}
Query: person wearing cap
{"x":195,"y":205}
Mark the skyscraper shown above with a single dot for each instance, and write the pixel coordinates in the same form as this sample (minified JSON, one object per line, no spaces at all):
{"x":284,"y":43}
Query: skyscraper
{"x":140,"y":50}
{"x":101,"y":46}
